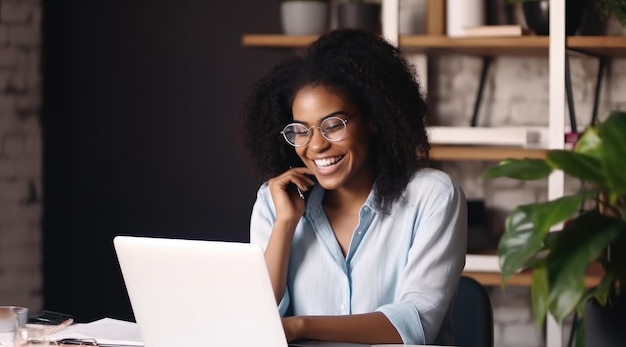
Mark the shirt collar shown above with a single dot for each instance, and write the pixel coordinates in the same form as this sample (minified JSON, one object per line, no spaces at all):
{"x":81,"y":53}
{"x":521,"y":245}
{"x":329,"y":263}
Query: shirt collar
{"x":313,"y":207}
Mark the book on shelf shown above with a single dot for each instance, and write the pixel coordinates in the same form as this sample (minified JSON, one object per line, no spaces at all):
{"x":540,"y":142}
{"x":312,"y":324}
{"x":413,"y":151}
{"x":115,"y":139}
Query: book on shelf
{"x":511,"y":30}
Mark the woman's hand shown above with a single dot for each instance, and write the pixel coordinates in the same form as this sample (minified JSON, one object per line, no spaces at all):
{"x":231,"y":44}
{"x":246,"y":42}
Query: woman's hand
{"x":288,"y":203}
{"x":289,"y":208}
{"x":366,"y":328}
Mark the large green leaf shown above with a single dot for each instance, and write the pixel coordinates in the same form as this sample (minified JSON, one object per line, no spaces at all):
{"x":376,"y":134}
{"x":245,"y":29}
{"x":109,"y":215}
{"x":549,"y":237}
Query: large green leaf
{"x":613,"y":135}
{"x":578,"y":165}
{"x":550,"y":238}
{"x":539,"y":294}
{"x":581,"y":340}
{"x":581,"y":243}
{"x":519,"y":242}
{"x":617,"y":264}
{"x":521,"y":169}
{"x":590,"y":143}
{"x":526,"y":228}
{"x":545,"y":215}
{"x":599,"y":293}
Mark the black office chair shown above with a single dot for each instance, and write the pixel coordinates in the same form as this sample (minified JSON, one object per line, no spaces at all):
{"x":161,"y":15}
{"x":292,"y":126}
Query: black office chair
{"x":472,"y":315}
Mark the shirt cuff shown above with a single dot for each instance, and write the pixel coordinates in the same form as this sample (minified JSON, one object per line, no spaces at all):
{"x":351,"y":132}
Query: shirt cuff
{"x":283,"y":305}
{"x":406,"y":320}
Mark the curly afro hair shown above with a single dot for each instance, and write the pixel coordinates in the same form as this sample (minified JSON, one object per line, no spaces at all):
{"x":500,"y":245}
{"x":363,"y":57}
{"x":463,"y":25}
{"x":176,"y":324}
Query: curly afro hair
{"x":367,"y":72}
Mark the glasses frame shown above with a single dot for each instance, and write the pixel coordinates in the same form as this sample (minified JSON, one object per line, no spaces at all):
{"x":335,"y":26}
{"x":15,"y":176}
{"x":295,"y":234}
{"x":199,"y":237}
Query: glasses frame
{"x":78,"y":342}
{"x":309,"y":130}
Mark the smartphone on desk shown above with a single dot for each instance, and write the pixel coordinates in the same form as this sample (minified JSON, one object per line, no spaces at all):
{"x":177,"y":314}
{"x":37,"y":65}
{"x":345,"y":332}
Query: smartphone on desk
{"x":49,"y":318}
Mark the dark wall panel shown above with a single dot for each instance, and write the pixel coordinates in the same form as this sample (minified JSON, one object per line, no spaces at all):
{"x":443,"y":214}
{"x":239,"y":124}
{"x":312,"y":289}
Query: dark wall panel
{"x":140,"y":102}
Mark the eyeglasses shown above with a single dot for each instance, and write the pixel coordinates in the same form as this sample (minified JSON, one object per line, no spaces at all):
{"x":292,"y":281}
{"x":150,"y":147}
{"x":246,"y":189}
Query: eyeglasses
{"x":332,"y":128}
{"x":83,"y":343}
{"x":77,"y":342}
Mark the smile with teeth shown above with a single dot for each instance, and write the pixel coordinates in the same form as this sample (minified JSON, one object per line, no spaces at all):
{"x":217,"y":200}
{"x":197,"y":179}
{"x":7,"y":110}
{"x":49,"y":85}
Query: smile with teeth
{"x":327,"y":162}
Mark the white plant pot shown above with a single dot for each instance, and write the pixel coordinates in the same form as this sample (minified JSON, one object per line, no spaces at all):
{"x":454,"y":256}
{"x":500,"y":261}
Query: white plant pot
{"x":304,"y":17}
{"x":463,"y":13}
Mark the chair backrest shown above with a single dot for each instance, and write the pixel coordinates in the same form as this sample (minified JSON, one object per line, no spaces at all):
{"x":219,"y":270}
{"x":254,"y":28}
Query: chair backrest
{"x":472,"y":315}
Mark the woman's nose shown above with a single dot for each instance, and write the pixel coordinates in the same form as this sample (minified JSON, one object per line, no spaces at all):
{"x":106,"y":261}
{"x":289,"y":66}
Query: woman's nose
{"x":318,"y":141}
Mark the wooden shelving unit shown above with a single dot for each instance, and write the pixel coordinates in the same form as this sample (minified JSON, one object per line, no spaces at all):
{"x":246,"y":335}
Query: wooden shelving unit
{"x":611,"y":46}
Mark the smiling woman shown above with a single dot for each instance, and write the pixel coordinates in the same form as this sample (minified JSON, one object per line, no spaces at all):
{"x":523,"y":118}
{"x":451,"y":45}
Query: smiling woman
{"x":375,"y":252}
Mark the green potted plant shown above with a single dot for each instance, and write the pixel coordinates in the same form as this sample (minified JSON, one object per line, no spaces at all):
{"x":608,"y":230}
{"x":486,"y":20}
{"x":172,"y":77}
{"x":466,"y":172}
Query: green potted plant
{"x":593,"y":229}
{"x":616,"y":8}
{"x":305,"y":17}
{"x":536,"y":13}
{"x":359,"y":14}
{"x":603,"y":11}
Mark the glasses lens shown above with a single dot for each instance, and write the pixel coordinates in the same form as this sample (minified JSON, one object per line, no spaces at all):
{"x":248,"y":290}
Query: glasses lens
{"x":334,"y":128}
{"x":296,"y":134}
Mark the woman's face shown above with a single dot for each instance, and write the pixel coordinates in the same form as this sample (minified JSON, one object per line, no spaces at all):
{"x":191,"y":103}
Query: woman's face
{"x":336,"y":164}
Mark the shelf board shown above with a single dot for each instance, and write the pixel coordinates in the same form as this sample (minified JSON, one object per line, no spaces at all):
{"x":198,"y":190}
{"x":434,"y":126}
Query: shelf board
{"x":488,"y":153}
{"x":277,"y":40}
{"x":522,"y":279}
{"x":614,"y":46}
{"x":592,"y":278}
{"x":433,"y":45}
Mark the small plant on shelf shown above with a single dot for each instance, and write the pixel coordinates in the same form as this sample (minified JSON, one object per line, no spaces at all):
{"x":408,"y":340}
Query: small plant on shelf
{"x":604,"y":8}
{"x":593,"y":219}
{"x":615,"y":7}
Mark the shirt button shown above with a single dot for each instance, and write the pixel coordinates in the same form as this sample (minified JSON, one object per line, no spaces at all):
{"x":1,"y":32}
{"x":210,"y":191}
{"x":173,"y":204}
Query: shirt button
{"x":342,"y":307}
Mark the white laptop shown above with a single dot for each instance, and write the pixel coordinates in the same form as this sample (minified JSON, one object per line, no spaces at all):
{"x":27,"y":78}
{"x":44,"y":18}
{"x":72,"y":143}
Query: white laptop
{"x":201,"y":293}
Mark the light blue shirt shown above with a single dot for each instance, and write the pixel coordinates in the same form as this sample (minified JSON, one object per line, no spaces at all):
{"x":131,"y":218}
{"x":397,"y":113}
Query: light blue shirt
{"x":405,"y":264}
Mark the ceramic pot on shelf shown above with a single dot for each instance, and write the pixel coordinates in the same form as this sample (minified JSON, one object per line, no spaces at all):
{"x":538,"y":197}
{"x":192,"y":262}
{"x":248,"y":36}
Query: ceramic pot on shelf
{"x":537,"y":16}
{"x":604,"y":325}
{"x":305,"y":17}
{"x":359,"y":15}
{"x":412,"y":17}
{"x":463,"y":13}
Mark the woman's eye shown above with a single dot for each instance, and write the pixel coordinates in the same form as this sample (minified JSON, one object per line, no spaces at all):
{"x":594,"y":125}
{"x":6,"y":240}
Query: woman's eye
{"x":333,"y":126}
{"x":300,"y":131}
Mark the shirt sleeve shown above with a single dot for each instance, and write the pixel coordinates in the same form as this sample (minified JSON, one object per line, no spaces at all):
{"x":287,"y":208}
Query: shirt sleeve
{"x":434,"y":265}
{"x":261,"y":224}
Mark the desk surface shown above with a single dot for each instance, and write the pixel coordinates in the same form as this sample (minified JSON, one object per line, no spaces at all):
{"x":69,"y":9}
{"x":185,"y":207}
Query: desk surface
{"x":344,"y":344}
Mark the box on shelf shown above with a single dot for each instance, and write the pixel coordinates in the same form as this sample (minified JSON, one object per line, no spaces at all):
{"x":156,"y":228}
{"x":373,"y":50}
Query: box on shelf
{"x":511,"y":30}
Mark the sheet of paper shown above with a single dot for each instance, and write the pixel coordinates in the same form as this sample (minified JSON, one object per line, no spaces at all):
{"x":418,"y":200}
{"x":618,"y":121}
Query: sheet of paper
{"x":6,"y":339}
{"x":104,"y":331}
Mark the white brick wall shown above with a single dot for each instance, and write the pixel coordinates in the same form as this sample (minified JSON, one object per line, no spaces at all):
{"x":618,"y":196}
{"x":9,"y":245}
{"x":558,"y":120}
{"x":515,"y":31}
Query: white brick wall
{"x":20,"y":154}
{"x":516,"y":94}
